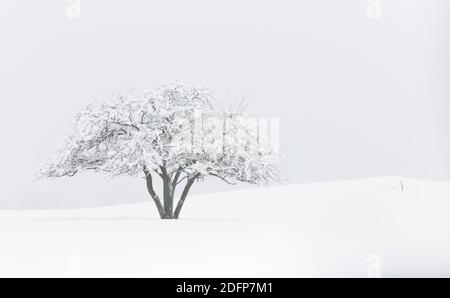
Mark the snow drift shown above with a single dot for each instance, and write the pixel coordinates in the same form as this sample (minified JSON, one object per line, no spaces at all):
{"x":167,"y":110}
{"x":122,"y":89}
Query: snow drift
{"x":387,"y":227}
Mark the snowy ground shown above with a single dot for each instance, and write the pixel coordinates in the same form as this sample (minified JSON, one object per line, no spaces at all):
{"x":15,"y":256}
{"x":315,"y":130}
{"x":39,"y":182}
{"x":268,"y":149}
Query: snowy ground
{"x":357,"y":228}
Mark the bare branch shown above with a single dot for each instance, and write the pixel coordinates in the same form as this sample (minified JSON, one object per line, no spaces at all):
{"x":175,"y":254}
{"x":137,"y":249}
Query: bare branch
{"x":152,"y":193}
{"x":184,"y":195}
{"x":223,"y":179}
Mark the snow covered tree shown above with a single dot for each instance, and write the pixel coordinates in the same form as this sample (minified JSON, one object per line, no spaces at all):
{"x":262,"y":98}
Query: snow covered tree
{"x":174,"y":132}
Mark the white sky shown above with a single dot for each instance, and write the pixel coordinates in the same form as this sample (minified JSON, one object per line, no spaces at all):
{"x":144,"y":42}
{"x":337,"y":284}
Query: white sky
{"x":355,"y":96}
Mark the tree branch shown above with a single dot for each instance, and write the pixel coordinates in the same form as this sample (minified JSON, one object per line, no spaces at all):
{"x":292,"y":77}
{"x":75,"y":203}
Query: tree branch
{"x":152,"y":192}
{"x":177,"y":176}
{"x":223,"y":179}
{"x":126,"y":124}
{"x":184,"y":195}
{"x":184,"y":178}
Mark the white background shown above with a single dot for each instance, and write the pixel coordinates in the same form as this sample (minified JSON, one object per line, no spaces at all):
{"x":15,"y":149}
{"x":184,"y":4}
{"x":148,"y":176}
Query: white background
{"x":356,"y":96}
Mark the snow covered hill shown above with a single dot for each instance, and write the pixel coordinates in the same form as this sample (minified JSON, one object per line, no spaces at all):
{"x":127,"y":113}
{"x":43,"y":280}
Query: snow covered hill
{"x":371,"y":227}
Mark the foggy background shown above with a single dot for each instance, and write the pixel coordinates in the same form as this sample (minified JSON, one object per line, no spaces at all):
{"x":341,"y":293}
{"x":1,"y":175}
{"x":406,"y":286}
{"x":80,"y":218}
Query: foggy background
{"x":361,"y":88}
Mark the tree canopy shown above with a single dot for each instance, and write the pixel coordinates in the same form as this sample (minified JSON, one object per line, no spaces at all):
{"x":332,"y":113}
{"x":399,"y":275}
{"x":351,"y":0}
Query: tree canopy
{"x":175,"y":131}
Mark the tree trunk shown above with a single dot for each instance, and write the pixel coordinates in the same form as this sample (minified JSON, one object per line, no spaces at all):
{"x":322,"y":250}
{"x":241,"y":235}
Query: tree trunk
{"x":165,"y":208}
{"x":184,"y":195}
{"x":168,"y":199}
{"x":153,"y":194}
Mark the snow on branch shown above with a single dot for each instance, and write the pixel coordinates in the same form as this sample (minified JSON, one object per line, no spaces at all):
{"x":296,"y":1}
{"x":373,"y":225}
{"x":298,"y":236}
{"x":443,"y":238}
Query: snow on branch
{"x":175,"y":127}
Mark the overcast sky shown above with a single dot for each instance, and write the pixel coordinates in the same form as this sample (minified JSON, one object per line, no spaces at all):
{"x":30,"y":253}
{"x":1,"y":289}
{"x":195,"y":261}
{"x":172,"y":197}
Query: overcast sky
{"x":359,"y":92}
